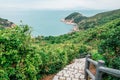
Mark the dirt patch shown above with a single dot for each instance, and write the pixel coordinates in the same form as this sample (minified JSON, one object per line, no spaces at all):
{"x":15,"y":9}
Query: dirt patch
{"x":92,"y":69}
{"x":48,"y":77}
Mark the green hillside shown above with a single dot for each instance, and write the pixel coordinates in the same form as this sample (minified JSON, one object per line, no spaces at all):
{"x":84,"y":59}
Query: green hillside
{"x":76,"y":17}
{"x":23,"y":57}
{"x":96,"y":20}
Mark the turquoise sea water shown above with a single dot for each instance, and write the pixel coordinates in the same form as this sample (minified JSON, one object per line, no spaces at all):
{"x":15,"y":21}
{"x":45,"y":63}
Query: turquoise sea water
{"x":44,"y":22}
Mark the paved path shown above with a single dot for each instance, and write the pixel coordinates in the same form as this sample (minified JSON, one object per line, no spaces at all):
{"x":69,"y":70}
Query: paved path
{"x":74,"y":71}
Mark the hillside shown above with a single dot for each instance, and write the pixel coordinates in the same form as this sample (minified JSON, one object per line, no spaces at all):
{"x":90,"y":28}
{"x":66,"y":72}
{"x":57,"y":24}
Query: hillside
{"x":75,"y":17}
{"x":96,"y":20}
{"x":101,"y":42}
{"x":25,"y":58}
{"x":4,"y":23}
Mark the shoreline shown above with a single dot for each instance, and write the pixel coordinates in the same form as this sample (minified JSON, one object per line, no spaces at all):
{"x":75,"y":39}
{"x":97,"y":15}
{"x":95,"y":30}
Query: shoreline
{"x":70,"y":22}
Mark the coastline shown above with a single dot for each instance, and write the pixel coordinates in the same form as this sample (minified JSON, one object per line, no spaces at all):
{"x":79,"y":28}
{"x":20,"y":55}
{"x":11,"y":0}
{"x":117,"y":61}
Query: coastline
{"x":70,"y":22}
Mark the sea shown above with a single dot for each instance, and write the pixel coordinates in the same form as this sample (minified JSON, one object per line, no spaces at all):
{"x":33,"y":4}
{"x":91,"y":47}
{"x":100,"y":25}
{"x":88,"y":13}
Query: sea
{"x":44,"y":22}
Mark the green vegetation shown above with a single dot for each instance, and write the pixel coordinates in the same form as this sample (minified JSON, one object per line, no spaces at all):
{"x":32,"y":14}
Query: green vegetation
{"x":25,"y":58}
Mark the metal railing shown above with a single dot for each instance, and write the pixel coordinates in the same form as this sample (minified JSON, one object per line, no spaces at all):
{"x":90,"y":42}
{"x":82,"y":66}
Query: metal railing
{"x":100,"y":69}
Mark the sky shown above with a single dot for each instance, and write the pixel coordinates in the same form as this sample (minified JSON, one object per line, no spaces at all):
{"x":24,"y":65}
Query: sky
{"x":59,"y":4}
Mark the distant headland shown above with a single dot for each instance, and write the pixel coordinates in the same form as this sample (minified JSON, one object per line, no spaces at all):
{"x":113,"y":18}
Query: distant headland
{"x":4,"y":23}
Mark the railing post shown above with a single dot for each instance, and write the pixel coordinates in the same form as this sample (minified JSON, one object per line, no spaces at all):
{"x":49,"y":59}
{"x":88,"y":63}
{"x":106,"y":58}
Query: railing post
{"x":87,"y":63}
{"x":98,"y":75}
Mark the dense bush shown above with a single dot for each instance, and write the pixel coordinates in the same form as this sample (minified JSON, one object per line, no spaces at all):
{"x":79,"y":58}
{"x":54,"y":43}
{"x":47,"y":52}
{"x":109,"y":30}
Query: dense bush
{"x":16,"y":55}
{"x":21,"y":58}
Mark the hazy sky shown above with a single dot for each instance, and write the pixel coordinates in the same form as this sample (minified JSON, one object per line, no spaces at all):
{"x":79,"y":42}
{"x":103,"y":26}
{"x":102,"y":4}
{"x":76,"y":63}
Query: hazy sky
{"x":59,"y":4}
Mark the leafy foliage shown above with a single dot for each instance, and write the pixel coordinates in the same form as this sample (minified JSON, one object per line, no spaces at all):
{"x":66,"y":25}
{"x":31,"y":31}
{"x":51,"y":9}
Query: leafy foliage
{"x":22,"y":58}
{"x":16,"y":54}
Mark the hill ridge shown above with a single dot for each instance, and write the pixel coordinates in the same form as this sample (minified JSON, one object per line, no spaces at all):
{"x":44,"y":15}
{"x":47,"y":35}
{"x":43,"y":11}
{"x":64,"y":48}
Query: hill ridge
{"x":84,"y":22}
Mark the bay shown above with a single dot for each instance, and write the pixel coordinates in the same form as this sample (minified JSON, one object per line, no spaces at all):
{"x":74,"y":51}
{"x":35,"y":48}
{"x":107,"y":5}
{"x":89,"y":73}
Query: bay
{"x":44,"y":22}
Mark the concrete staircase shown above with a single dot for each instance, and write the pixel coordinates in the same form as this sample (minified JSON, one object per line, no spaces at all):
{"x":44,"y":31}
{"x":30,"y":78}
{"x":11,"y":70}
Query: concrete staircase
{"x":74,"y":71}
